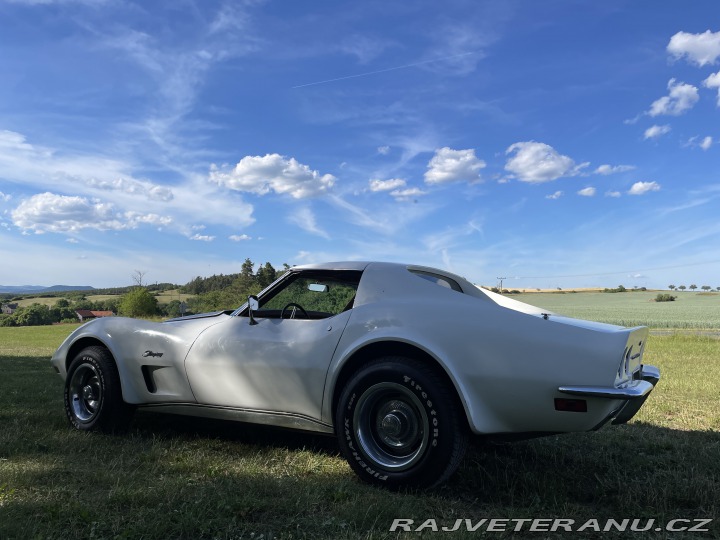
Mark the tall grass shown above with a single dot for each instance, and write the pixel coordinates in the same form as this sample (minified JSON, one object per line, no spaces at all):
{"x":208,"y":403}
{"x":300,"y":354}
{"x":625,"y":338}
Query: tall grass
{"x":172,"y":477}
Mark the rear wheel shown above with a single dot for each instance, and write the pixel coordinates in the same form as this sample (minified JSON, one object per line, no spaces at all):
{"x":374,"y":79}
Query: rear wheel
{"x":399,"y":424}
{"x":93,"y":395}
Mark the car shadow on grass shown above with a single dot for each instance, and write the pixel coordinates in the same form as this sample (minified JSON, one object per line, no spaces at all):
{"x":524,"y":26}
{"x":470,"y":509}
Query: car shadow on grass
{"x":638,"y":466}
{"x":151,"y":424}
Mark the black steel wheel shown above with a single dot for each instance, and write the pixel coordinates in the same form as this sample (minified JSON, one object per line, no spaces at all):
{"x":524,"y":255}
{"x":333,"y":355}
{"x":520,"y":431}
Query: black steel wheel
{"x":93,"y":395}
{"x":399,"y":424}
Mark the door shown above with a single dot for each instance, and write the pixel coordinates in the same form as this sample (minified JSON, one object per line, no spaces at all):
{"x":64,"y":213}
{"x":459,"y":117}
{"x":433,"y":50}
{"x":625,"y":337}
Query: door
{"x":277,"y":361}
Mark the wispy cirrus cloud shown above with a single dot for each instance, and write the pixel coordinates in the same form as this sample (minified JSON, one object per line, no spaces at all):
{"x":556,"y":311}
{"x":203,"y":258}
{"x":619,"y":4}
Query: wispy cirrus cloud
{"x":613,"y":169}
{"x":96,"y":177}
{"x":239,"y":237}
{"x":305,"y":218}
{"x":655,"y":131}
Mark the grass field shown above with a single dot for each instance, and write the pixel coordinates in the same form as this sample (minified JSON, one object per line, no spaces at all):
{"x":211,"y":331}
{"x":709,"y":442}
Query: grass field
{"x":163,"y":298}
{"x":690,"y":310}
{"x":172,"y":477}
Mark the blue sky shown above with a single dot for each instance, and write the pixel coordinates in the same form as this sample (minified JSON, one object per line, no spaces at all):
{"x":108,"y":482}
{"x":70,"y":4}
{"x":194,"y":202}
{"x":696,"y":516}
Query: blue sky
{"x":557,"y":143}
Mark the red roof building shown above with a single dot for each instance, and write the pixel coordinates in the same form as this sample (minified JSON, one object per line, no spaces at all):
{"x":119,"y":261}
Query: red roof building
{"x":86,"y":314}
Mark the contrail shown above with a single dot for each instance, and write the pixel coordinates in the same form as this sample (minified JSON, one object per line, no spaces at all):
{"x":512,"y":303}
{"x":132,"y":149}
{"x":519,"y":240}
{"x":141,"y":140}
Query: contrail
{"x":383,"y":70}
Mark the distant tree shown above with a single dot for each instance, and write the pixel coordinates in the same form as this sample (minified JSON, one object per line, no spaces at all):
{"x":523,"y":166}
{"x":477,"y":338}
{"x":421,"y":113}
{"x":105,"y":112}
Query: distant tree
{"x":671,"y":287}
{"x":682,"y":287}
{"x":617,"y":289}
{"x":693,"y":286}
{"x":138,"y":303}
{"x":34,"y":315}
{"x":172,"y":309}
{"x":266,"y":275}
{"x":83,"y":304}
{"x":137,"y":277}
{"x":247,"y":268}
{"x":717,"y":288}
{"x":706,"y":287}
{"x":665,"y":298}
{"x":62,"y":311}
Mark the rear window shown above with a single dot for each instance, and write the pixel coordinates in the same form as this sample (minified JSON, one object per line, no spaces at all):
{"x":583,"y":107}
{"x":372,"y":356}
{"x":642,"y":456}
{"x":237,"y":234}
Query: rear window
{"x":437,"y":279}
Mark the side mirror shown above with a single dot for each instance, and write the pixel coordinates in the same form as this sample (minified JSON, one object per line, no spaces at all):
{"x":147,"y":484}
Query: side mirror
{"x":253,"y":305}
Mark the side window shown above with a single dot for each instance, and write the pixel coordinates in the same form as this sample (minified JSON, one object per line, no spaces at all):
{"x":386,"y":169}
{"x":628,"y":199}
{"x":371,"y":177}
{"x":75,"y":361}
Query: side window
{"x":319,"y":295}
{"x":443,"y":281}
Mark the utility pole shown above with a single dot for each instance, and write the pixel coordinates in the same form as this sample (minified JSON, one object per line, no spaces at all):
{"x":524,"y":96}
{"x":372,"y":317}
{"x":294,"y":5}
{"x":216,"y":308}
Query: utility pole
{"x":501,"y":280}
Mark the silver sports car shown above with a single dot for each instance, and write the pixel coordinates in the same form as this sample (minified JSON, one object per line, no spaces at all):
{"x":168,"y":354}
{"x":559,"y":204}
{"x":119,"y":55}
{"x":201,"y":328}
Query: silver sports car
{"x":402,"y":363}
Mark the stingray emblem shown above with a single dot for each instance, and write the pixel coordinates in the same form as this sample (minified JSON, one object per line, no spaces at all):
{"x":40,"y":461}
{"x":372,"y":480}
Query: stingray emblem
{"x":153,"y":354}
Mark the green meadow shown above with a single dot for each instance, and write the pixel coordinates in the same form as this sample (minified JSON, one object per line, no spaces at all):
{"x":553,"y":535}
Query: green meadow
{"x":690,"y":310}
{"x":179,"y":478}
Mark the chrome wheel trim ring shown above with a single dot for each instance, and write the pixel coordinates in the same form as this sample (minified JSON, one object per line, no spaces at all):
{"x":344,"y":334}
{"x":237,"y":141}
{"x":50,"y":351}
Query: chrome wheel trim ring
{"x":85,"y":392}
{"x":391,"y":426}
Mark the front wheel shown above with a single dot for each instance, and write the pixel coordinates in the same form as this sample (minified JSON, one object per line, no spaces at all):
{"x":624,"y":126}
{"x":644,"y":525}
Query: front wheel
{"x":399,"y":424}
{"x":93,"y":396}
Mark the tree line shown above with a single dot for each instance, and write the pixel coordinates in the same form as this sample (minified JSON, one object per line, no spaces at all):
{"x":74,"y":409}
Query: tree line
{"x":223,"y":292}
{"x":692,"y":287}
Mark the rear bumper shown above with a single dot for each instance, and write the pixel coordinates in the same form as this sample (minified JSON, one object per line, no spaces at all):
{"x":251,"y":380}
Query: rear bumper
{"x":634,"y":393}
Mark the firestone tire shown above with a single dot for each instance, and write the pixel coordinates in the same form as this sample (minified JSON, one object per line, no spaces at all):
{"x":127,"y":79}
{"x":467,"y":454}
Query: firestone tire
{"x":399,"y":424}
{"x":93,"y":395}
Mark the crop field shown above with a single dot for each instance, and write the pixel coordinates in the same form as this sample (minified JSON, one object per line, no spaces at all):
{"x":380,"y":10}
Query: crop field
{"x":164,"y":297}
{"x":690,"y":310}
{"x":179,"y":478}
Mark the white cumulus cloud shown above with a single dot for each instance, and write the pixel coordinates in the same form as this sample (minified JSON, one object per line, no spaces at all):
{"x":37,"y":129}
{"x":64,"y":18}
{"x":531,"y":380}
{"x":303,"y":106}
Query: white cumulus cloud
{"x":653,"y":132}
{"x":699,"y":49}
{"x":273,"y":172}
{"x":640,"y":188}
{"x":587,"y":192}
{"x":239,"y":237}
{"x":536,"y":162}
{"x":613,"y":194}
{"x":448,"y":165}
{"x":386,"y":185}
{"x":706,"y":143}
{"x":681,"y":98}
{"x":713,"y":81}
{"x":48,"y":212}
{"x":555,"y":195}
